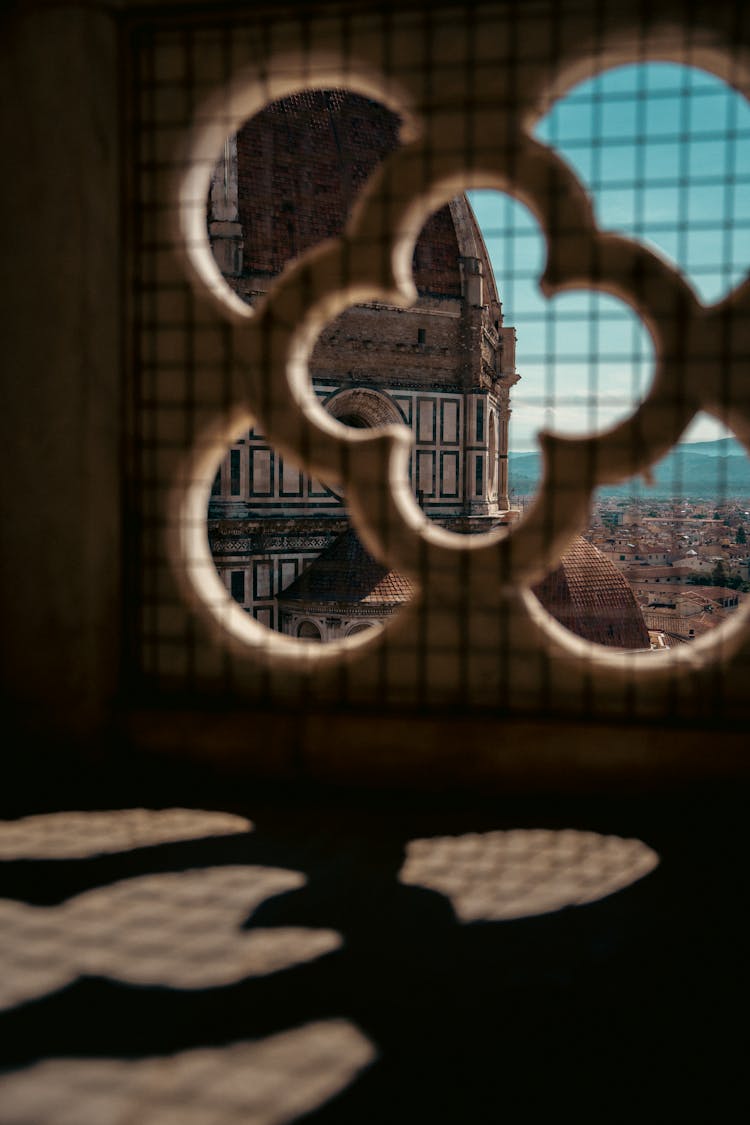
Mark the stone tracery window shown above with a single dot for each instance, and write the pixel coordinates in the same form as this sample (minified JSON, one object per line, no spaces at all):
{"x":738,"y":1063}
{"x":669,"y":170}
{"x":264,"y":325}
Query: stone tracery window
{"x":474,"y":607}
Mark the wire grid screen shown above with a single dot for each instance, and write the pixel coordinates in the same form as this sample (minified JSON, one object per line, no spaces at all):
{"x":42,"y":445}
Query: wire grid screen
{"x":341,"y":224}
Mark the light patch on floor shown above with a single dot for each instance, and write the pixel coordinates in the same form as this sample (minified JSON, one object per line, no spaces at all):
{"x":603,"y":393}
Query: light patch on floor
{"x":77,"y":835}
{"x":493,"y":876}
{"x":180,"y":930}
{"x":266,"y":1082}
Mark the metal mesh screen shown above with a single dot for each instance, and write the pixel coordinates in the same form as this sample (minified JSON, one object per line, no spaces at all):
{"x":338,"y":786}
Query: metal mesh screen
{"x":603,"y":156}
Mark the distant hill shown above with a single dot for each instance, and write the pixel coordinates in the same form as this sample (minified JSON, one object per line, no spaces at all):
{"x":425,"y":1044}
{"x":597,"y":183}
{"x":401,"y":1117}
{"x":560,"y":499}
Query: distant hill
{"x":693,"y":470}
{"x":722,"y":447}
{"x":524,"y":470}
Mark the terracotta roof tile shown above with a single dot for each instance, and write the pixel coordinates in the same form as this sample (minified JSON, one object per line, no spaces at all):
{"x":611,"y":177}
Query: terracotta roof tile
{"x":346,"y":574}
{"x":588,"y":595}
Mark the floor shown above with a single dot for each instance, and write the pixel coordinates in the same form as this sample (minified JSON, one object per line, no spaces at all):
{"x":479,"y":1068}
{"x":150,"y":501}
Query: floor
{"x":210,"y":951}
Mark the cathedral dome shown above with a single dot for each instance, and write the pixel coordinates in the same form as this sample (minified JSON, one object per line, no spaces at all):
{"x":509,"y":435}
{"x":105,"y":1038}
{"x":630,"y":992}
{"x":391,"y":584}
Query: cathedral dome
{"x":588,"y":595}
{"x":444,"y":366}
{"x":301,"y":163}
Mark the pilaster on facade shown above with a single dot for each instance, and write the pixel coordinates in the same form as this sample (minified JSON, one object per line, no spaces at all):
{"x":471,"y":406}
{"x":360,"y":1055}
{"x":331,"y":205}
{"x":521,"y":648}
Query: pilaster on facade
{"x":507,"y":354}
{"x":224,"y":228}
{"x":472,"y":281}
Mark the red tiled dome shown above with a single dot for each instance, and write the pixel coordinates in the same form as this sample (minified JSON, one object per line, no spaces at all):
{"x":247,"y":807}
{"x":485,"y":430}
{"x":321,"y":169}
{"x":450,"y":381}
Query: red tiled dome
{"x":588,"y":595}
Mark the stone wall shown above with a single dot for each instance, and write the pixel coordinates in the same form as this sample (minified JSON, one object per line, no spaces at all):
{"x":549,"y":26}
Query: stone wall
{"x":424,"y":344}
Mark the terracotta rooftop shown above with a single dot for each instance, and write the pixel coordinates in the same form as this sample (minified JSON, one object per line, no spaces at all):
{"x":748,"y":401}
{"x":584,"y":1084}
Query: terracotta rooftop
{"x":687,"y":627}
{"x":718,"y":593}
{"x":649,"y":573}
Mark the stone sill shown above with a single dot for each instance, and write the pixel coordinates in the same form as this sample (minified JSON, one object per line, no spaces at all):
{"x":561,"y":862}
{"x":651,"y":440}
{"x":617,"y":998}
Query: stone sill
{"x":481,"y":752}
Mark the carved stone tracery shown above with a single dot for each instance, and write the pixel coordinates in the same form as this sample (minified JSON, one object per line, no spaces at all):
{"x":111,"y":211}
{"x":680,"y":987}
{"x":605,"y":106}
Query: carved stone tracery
{"x":492,"y":574}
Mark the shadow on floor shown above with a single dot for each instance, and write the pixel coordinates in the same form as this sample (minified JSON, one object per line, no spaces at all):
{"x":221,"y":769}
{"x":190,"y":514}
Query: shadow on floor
{"x":620,"y":1009}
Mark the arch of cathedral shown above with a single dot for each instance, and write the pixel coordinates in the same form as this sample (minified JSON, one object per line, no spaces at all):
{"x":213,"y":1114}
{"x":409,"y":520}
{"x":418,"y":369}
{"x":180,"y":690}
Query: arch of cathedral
{"x":363,"y":407}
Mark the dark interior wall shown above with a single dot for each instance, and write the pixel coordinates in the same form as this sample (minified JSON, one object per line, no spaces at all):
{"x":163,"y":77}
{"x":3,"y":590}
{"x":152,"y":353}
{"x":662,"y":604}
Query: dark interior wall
{"x":61,"y":360}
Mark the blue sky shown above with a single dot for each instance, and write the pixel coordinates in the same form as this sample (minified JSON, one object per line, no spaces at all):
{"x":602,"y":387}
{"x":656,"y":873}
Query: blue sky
{"x":672,"y":169}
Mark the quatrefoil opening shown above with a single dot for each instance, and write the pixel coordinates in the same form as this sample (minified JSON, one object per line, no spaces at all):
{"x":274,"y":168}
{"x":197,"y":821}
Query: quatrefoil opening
{"x":372,"y":261}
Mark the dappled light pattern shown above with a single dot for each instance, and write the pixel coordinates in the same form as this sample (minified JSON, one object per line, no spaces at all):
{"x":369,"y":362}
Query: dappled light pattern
{"x":155,"y":1001}
{"x":493,"y":876}
{"x":180,"y":930}
{"x":267,"y":1082}
{"x":76,"y":835}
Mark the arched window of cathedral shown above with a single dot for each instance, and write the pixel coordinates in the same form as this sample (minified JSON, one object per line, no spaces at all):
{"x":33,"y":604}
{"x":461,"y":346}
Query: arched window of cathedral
{"x":364,"y":407}
{"x":308,"y":631}
{"x":362,"y":627}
